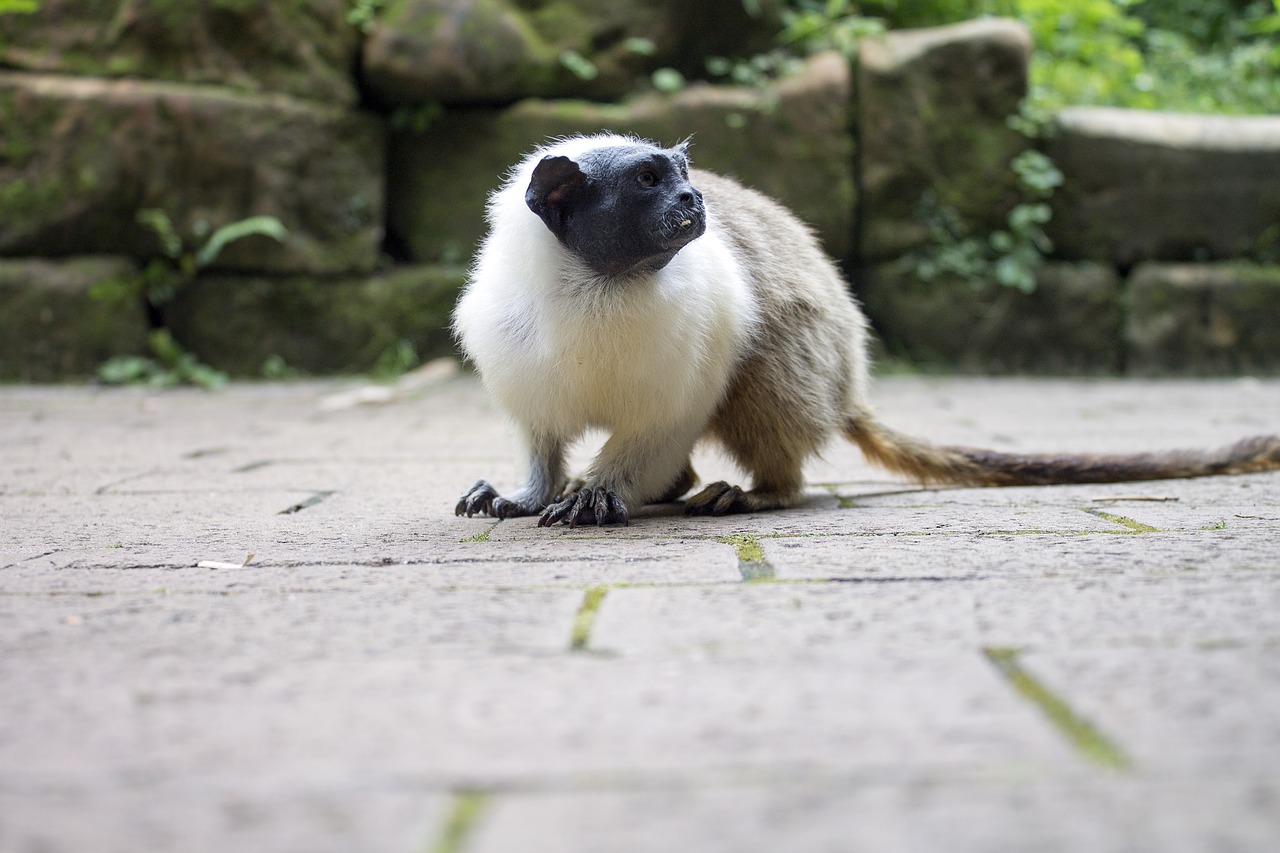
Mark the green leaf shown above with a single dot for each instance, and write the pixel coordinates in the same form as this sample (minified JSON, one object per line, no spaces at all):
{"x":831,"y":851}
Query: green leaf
{"x":126,"y":370}
{"x":641,"y":46}
{"x":160,"y":224}
{"x":668,"y":80}
{"x":582,"y":68}
{"x":267,"y":226}
{"x":21,"y":7}
{"x":1012,"y":272}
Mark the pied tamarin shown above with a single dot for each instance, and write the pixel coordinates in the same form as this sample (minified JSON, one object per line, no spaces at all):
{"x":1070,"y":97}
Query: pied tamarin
{"x":619,"y":289}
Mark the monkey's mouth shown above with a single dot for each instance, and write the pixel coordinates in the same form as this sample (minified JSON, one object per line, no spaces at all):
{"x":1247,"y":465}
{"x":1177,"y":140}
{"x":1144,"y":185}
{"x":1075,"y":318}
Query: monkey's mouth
{"x":681,"y":227}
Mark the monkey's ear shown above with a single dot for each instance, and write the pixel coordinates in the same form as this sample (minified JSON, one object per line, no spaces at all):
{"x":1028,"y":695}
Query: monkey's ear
{"x":555,"y":182}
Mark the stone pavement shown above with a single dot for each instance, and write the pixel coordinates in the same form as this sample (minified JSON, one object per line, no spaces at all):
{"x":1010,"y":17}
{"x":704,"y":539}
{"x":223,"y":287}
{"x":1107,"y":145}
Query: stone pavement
{"x":1092,"y":668}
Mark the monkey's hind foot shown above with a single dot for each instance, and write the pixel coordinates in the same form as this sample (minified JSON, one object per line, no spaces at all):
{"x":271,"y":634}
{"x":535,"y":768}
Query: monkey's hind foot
{"x":484,"y":499}
{"x":723,"y":499}
{"x":588,"y":505}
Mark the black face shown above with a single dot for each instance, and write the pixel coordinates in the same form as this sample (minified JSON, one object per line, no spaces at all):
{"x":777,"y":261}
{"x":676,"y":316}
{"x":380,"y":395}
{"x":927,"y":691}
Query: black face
{"x":623,"y":210}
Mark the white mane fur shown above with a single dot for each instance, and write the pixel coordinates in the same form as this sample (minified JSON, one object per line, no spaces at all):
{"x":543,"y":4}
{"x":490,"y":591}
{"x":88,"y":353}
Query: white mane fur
{"x":562,"y":351}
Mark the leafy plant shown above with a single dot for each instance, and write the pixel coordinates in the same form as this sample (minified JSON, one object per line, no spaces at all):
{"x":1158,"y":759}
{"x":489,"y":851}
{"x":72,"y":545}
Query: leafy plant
{"x":809,"y":27}
{"x":1190,"y":55}
{"x":363,"y":13}
{"x":396,"y":360}
{"x":179,"y":264}
{"x":1008,"y":256}
{"x":19,"y":7}
{"x":169,"y":365}
{"x":417,"y":119}
{"x":182,"y":260}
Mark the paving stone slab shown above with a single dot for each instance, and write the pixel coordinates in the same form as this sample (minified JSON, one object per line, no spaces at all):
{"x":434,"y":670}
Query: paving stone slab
{"x":248,"y":821}
{"x":831,"y":621}
{"x":379,"y":657}
{"x":1183,"y":712}
{"x":958,"y":556}
{"x":537,"y":563}
{"x":374,"y":623}
{"x":986,"y":816}
{"x":448,"y":723}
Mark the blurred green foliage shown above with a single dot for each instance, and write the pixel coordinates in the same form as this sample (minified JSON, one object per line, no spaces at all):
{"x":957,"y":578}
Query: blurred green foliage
{"x":1190,"y":55}
{"x":180,"y":260}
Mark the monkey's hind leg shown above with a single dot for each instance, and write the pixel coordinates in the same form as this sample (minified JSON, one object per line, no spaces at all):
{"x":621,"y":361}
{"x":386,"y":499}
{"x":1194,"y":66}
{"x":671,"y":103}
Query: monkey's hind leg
{"x":769,"y":448}
{"x":724,"y":499}
{"x":777,"y":483}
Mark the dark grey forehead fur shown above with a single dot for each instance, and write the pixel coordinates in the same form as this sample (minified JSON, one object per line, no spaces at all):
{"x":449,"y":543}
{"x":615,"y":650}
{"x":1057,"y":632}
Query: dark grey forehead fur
{"x":616,"y":159}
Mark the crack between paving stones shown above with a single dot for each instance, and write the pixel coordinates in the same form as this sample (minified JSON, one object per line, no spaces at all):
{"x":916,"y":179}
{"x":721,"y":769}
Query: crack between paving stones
{"x":1124,"y":521}
{"x":316,"y":498}
{"x":752,"y":564}
{"x":585,"y":619}
{"x":1083,"y":736}
{"x":109,"y":487}
{"x":17,"y":563}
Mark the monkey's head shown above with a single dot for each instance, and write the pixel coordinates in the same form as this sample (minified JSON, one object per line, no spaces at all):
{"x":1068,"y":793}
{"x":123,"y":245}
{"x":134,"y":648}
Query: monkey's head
{"x":624,"y":210}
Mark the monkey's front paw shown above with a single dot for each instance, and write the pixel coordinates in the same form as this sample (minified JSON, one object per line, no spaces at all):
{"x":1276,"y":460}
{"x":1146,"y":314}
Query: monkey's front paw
{"x":484,"y":498}
{"x":718,"y":499}
{"x":587,"y":505}
{"x":479,"y":498}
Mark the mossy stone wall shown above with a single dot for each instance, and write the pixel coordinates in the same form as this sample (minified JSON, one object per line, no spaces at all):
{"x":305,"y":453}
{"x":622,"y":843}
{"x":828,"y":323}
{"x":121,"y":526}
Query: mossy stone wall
{"x":377,"y":146}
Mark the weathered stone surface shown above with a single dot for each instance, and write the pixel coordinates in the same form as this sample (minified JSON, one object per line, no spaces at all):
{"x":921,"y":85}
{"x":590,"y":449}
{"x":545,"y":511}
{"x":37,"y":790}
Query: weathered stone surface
{"x":500,"y":51}
{"x":800,"y":152}
{"x":373,"y":660}
{"x":1070,"y":324}
{"x":1162,"y":186}
{"x":304,"y":48}
{"x":80,"y":157}
{"x":51,"y":325}
{"x":315,"y":325}
{"x":1204,"y":319}
{"x":932,"y":110}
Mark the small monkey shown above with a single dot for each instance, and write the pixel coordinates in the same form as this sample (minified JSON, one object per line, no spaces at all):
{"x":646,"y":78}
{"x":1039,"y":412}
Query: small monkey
{"x":619,"y":289}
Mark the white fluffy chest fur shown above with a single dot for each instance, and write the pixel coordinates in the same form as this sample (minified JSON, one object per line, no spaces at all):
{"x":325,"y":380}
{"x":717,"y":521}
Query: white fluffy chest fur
{"x":562,"y":353}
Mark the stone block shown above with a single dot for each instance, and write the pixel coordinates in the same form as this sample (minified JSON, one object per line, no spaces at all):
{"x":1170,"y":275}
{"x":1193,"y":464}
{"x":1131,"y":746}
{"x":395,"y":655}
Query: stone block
{"x":316,"y":325}
{"x":1204,"y":319}
{"x":80,"y":157}
{"x":932,"y":111}
{"x":51,"y":325}
{"x":306,"y":49}
{"x":1162,"y":186}
{"x":1070,"y":324}
{"x":800,"y":152}
{"x":500,"y":51}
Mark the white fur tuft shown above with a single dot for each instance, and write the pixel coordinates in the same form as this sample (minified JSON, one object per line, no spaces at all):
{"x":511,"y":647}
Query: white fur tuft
{"x":562,"y":351}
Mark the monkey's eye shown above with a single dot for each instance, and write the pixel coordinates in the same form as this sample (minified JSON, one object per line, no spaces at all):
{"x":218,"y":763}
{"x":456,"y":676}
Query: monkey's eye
{"x":647,"y":179}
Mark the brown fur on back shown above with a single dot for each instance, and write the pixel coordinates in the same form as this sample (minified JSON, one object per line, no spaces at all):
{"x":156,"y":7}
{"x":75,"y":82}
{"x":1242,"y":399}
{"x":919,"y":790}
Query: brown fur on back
{"x":805,"y":378}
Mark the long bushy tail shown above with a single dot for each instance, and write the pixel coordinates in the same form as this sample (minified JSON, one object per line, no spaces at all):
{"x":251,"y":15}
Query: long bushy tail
{"x":931,"y":463}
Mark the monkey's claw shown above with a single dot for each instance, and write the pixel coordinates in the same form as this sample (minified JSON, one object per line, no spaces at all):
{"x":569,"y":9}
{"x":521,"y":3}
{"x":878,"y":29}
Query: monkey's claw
{"x":484,"y":498}
{"x":596,"y":505}
{"x":480,"y":498}
{"x":718,"y":499}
